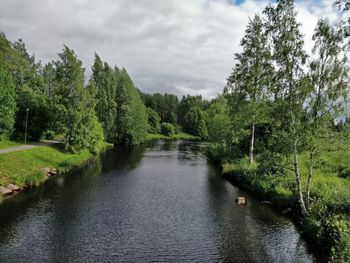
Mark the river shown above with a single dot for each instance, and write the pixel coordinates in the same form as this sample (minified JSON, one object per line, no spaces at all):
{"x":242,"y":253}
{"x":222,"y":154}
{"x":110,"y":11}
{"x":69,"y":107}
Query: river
{"x":159,"y":202}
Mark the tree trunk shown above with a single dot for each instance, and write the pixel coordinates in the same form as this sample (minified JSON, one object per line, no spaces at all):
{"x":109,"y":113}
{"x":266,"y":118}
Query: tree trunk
{"x":251,"y":146}
{"x":296,"y":168}
{"x":309,"y":178}
{"x":298,"y":181}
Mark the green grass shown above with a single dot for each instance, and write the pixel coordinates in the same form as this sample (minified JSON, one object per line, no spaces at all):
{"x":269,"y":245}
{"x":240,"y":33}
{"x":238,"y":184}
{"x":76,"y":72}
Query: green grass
{"x":24,"y":167}
{"x":7,"y":144}
{"x":177,"y":136}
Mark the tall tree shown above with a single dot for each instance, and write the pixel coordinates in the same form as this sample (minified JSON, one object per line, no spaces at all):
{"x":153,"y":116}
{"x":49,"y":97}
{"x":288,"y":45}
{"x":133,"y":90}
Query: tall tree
{"x":289,"y":57}
{"x":153,"y":121}
{"x":132,"y":119}
{"x":329,"y":84}
{"x":195,"y":120}
{"x":79,"y":123}
{"x":248,"y":85}
{"x":106,"y":83}
{"x":7,"y":102}
{"x":186,"y":103}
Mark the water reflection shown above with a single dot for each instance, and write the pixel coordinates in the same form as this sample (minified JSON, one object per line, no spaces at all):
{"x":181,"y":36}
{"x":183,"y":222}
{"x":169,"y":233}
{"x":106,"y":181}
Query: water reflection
{"x":159,"y":202}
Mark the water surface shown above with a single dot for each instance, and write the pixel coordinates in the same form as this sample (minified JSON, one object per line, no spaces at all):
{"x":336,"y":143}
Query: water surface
{"x":161,"y":202}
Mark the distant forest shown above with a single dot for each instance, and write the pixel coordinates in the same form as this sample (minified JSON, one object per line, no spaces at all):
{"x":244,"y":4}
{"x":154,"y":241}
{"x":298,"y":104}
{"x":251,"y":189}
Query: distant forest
{"x":109,"y":107}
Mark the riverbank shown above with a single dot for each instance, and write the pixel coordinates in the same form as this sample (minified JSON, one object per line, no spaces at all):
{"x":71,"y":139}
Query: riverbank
{"x":6,"y":144}
{"x":31,"y":167}
{"x":177,"y":136}
{"x":328,"y":223}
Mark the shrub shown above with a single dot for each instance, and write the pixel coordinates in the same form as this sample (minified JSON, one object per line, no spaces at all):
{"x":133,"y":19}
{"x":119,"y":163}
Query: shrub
{"x":167,"y":129}
{"x":271,"y":163}
{"x":49,"y":135}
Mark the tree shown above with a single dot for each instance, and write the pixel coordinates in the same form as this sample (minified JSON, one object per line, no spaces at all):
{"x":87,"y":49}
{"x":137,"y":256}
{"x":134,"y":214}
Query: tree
{"x":77,"y":104}
{"x":289,"y":94}
{"x":218,"y":121}
{"x":186,"y":103}
{"x":166,"y":105}
{"x":7,"y":102}
{"x":132,"y":119}
{"x":329,"y":85}
{"x":105,"y":81}
{"x":167,"y":129}
{"x":153,"y":121}
{"x":195,"y":121}
{"x":248,"y":85}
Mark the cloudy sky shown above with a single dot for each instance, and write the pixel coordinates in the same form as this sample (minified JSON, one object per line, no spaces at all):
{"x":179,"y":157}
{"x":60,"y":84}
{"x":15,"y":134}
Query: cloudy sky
{"x":176,"y":46}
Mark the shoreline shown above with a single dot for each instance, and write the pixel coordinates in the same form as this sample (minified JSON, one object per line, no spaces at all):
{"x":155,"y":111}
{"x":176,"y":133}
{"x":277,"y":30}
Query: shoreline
{"x":291,"y":211}
{"x":45,"y":173}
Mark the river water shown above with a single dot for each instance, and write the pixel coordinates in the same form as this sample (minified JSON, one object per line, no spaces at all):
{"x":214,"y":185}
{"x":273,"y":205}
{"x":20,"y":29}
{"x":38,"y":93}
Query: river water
{"x":160,"y":202}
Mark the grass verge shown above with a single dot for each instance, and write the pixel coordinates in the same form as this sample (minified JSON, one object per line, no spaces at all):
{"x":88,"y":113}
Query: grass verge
{"x":7,"y":144}
{"x":25,"y":167}
{"x":177,"y":136}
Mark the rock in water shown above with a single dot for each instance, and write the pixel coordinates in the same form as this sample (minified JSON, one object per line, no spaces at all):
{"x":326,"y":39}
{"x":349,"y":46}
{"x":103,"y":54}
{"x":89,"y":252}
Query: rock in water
{"x":53,"y":171}
{"x":5,"y":191}
{"x":46,"y":170}
{"x":13,"y":187}
{"x":240,"y":200}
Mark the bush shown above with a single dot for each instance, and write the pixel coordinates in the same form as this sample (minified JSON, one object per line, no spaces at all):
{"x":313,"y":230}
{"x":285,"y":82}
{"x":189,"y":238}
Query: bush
{"x":49,"y":135}
{"x":270,"y":163}
{"x":167,"y":129}
{"x":153,"y":121}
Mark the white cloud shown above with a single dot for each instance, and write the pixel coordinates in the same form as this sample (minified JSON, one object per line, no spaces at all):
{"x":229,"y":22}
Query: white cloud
{"x":176,"y":46}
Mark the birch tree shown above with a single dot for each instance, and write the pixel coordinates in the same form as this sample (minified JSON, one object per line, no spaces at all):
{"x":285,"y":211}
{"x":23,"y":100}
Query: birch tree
{"x":289,"y":57}
{"x":248,"y":85}
{"x":329,"y":76}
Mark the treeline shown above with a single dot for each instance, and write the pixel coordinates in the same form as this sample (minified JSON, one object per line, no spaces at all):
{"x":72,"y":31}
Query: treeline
{"x":58,"y":102}
{"x":280,"y":102}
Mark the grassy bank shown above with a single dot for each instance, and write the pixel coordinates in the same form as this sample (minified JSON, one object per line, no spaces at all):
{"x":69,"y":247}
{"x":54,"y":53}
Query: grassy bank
{"x":329,"y":221}
{"x":177,"y":136}
{"x":7,"y":144}
{"x":25,"y":167}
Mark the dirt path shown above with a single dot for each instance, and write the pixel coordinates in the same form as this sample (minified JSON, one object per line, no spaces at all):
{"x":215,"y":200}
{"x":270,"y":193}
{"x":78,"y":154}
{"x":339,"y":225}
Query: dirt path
{"x":27,"y":146}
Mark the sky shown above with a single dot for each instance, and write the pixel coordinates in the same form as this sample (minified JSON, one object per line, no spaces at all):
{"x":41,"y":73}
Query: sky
{"x":175,"y":46}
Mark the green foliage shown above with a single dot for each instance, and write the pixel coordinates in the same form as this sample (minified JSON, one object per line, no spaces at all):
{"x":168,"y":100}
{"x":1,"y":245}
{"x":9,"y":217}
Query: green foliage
{"x":7,"y":103}
{"x":185,"y":105}
{"x":7,"y":144}
{"x":153,"y":121}
{"x":49,"y":135}
{"x":218,"y":121}
{"x":271,"y":163}
{"x":132,"y":119}
{"x":105,"y":80}
{"x":24,"y":167}
{"x":167,"y":129}
{"x":176,"y":136}
{"x":195,"y":122}
{"x":77,"y":104}
{"x":166,"y":105}
{"x":39,"y":114}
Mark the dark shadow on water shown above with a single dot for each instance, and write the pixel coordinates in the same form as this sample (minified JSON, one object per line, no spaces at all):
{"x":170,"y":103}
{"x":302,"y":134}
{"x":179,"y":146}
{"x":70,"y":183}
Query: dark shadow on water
{"x":13,"y":209}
